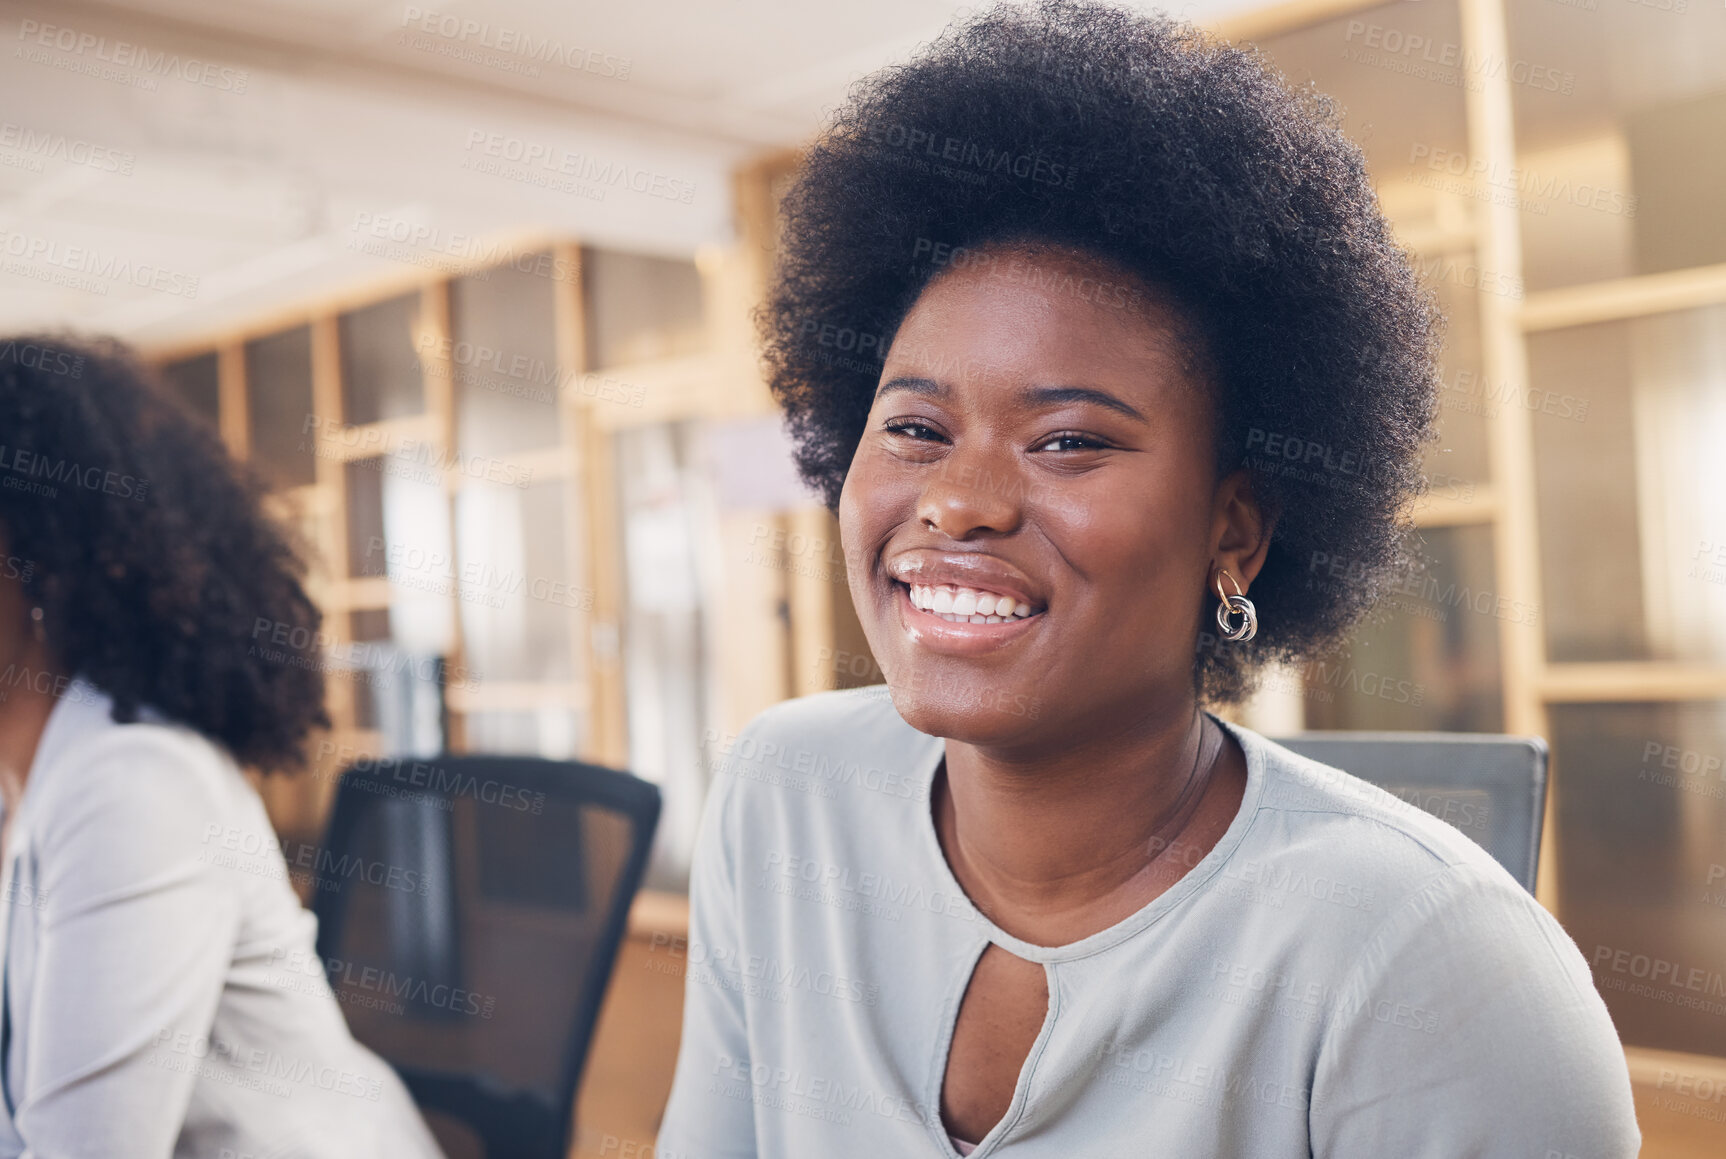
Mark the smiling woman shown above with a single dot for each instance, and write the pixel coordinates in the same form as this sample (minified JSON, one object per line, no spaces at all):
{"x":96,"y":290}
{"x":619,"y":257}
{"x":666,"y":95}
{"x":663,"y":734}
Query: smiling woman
{"x":1106,"y":922}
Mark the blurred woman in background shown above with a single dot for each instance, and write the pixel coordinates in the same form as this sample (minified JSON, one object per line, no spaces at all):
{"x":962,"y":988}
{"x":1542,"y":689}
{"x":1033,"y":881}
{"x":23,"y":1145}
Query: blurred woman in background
{"x":160,"y":992}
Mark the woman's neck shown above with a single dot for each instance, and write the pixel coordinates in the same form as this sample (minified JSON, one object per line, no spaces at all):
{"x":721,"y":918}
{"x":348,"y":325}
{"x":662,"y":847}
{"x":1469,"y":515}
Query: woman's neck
{"x":1058,"y":851}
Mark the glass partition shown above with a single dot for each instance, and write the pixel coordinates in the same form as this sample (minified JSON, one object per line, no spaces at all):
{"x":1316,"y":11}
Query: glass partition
{"x":1632,"y":487}
{"x":1641,"y":805}
{"x":640,"y":308}
{"x":279,"y":405}
{"x":381,"y":347}
{"x":503,"y":355}
{"x":196,"y":382}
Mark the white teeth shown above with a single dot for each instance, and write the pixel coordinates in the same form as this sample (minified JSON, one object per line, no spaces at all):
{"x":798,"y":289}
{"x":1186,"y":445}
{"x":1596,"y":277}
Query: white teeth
{"x":967,"y":605}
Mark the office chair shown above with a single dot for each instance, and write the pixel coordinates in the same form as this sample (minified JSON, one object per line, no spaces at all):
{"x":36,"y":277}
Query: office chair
{"x":470,"y":910}
{"x":1493,"y":788}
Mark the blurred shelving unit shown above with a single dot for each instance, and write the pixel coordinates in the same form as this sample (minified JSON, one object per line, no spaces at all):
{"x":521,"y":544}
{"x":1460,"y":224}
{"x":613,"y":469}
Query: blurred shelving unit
{"x":500,"y":476}
{"x":1554,"y":168}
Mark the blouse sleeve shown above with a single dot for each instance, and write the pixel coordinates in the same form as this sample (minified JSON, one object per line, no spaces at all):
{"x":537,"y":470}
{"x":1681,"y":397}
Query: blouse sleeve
{"x":710,"y":1114}
{"x":1470,"y":1027}
{"x":136,"y":931}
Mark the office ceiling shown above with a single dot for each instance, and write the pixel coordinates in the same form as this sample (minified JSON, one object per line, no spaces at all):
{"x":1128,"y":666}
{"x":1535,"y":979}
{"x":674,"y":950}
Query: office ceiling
{"x":755,"y":71}
{"x":172,"y":168}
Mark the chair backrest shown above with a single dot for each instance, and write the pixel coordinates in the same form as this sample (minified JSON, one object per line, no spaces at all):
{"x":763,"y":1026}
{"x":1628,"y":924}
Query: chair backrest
{"x":470,"y":910}
{"x":1493,"y":788}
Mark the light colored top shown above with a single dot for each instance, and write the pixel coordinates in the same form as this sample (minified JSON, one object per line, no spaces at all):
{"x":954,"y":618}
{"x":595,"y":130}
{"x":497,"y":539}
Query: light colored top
{"x":163,"y":997}
{"x":1341,"y":976}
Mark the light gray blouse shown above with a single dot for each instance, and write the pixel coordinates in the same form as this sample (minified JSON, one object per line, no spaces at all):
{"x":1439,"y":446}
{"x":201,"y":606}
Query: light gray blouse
{"x":1342,"y":976}
{"x":161,"y":982}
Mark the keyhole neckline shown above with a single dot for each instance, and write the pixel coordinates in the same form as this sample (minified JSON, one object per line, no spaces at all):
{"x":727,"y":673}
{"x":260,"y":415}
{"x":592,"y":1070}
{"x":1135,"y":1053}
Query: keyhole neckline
{"x":1189,"y":883}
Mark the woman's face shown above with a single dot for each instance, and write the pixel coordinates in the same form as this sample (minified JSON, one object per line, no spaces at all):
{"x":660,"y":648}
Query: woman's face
{"x":1035,"y":435}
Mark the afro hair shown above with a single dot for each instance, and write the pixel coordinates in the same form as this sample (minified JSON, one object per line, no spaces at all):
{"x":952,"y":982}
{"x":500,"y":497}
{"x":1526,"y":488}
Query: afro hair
{"x":1191,"y":165}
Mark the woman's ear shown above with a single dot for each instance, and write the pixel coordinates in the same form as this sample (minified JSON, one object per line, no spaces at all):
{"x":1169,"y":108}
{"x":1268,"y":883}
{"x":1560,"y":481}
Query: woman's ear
{"x":1240,"y":528}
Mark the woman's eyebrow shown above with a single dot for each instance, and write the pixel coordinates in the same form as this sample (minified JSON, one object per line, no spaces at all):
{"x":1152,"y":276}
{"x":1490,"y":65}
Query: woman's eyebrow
{"x":1034,"y":395}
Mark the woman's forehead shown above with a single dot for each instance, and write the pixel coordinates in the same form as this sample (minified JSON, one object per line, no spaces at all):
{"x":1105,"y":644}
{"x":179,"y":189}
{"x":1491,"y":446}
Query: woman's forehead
{"x":1038,"y":317}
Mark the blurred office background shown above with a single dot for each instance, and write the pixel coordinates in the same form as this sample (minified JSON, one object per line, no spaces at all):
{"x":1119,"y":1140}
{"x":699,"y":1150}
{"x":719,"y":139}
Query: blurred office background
{"x":471,"y":281}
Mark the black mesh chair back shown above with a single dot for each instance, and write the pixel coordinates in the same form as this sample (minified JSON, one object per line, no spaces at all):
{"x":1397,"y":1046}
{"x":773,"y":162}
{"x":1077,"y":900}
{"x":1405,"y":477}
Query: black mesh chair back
{"x":470,"y":910}
{"x":1493,"y":788}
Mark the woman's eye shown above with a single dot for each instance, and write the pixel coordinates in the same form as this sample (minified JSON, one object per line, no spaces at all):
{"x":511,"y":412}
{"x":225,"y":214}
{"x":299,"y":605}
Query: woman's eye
{"x":909,"y":429}
{"x":1072,"y":442}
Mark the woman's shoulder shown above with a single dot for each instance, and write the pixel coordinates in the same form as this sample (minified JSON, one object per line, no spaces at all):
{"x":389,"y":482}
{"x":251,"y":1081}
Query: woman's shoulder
{"x":1324,"y":798}
{"x":838,"y":715}
{"x":827,"y":746}
{"x":1333,"y":837}
{"x":89,"y":762}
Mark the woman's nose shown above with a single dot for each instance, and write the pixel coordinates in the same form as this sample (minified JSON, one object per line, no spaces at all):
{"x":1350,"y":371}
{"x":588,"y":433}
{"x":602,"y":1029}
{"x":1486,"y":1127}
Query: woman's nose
{"x":975,"y":489}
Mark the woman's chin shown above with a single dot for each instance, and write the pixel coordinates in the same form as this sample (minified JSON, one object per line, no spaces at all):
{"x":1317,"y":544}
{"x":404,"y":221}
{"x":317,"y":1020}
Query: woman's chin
{"x":970,"y":716}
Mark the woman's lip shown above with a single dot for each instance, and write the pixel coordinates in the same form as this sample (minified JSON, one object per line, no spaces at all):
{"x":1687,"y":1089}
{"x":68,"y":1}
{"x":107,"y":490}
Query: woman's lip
{"x":952,"y":637}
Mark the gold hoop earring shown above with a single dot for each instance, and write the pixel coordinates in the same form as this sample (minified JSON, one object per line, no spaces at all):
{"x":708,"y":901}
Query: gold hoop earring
{"x":1236,"y":604}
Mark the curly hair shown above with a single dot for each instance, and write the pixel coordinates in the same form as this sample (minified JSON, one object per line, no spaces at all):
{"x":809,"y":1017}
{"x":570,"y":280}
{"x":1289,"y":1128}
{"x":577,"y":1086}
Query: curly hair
{"x":148,"y":550}
{"x":1189,"y":164}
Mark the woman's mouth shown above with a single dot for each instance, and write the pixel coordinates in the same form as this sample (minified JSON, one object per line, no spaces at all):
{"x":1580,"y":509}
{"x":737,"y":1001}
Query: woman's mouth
{"x":957,"y":633}
{"x":964,"y":605}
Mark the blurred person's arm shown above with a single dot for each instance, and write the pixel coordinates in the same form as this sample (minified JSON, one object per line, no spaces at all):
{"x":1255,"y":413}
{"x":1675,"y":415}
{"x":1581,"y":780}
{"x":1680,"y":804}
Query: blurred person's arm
{"x":136,"y":934}
{"x":711,"y":1113}
{"x":1470,"y":1027}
